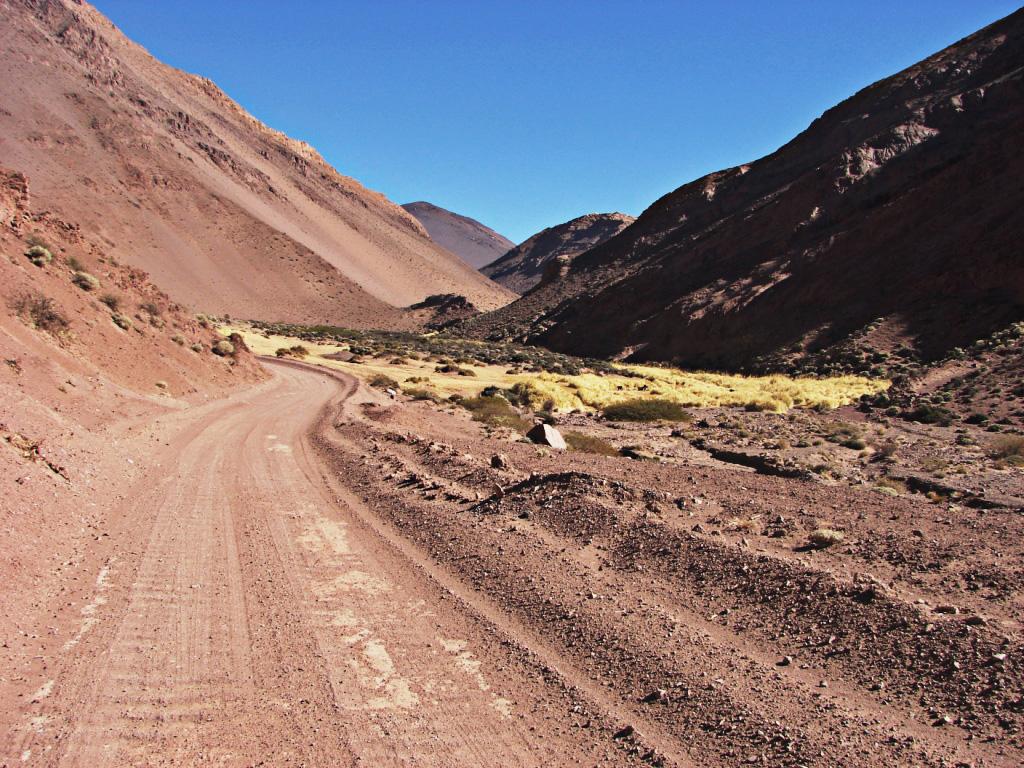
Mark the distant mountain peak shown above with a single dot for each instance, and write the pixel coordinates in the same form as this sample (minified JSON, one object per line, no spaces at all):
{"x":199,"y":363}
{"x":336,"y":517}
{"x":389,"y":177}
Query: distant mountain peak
{"x":473,"y":242}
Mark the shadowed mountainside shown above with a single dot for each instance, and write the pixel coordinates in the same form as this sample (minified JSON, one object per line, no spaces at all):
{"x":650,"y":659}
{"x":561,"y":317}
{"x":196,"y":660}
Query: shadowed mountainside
{"x":524,"y":266}
{"x":903,"y":203}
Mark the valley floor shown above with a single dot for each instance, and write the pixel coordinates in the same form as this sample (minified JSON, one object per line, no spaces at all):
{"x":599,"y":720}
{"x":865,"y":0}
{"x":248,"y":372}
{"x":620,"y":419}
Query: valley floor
{"x":309,"y":573}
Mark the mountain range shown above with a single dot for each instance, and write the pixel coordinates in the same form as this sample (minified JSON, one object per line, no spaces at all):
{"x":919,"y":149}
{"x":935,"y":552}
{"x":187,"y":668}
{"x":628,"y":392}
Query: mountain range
{"x":894,"y":217}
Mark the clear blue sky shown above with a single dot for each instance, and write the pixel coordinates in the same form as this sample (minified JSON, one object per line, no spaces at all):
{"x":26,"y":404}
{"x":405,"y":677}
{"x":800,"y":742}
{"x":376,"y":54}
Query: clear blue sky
{"x":526,"y":113}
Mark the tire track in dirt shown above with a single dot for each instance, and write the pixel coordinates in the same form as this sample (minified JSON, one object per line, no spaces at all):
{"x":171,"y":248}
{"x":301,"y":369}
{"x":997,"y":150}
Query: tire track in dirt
{"x":247,"y":619}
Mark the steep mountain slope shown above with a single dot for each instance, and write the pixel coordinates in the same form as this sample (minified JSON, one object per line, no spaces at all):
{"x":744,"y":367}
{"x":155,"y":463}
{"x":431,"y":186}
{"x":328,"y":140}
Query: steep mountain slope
{"x":225,"y":213}
{"x":522,"y":267}
{"x":89,"y":347}
{"x":904,"y":203}
{"x":467,"y":238}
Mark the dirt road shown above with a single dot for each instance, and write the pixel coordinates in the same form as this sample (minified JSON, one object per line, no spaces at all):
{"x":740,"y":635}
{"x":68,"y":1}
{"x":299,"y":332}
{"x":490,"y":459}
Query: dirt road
{"x":309,"y":573}
{"x":245,"y":616}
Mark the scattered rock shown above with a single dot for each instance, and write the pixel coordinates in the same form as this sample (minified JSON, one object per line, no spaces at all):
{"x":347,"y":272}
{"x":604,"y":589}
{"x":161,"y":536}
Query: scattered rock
{"x":545,"y":434}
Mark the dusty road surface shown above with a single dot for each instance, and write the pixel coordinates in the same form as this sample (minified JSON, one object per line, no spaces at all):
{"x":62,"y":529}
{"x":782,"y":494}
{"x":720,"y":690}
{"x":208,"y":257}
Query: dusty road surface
{"x":310,"y":573}
{"x":245,"y":616}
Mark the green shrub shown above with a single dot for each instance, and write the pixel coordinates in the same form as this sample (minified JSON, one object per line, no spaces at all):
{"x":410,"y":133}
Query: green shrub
{"x":854,"y":443}
{"x":122,"y":321}
{"x":223,"y":348}
{"x":654,"y":409}
{"x":578,"y":441}
{"x":85,"y":281}
{"x":39,"y":255}
{"x":196,"y":347}
{"x":178,"y":339}
{"x":41,"y":311}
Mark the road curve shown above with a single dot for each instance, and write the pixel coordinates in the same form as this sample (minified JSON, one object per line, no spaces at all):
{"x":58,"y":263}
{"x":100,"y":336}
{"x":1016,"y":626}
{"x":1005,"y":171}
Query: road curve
{"x":247,"y":618}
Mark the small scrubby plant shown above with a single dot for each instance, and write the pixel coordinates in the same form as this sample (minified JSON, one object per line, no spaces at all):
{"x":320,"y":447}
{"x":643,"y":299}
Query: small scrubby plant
{"x":41,"y":311}
{"x":578,"y":441}
{"x":1009,"y":449}
{"x":825,"y":537}
{"x":653,"y":409}
{"x":39,"y":255}
{"x":223,"y":348}
{"x":382,"y":381}
{"x":85,"y":281}
{"x":297,"y":351}
{"x":111,"y":301}
{"x":122,"y":321}
{"x":495,"y":411}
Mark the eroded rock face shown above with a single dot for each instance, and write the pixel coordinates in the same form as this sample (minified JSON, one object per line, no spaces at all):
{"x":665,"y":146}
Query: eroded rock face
{"x":528,"y":263}
{"x":901,"y":203}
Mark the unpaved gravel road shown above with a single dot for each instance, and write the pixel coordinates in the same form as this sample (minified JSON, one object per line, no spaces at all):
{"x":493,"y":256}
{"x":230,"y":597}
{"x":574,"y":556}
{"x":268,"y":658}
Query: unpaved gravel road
{"x":309,"y":573}
{"x":245,"y":615}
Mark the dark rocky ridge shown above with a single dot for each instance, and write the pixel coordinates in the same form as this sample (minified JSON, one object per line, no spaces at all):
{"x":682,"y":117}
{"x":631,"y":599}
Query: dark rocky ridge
{"x":904,"y":203}
{"x":467,"y":238}
{"x":523,"y":267}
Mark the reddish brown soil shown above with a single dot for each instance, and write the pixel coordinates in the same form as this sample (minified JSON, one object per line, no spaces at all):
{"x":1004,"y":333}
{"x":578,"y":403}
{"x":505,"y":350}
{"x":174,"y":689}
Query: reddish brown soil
{"x":311,"y":573}
{"x":228,"y":215}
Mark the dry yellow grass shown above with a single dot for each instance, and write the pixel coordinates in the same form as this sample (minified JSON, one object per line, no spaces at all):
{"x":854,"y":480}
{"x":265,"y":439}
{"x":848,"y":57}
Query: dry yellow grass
{"x":591,"y":391}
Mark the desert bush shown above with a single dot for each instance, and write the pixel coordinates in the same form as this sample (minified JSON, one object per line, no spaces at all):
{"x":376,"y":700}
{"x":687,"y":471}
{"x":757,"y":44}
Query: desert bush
{"x":419,"y":393}
{"x":825,"y":537}
{"x":578,"y":441}
{"x":654,"y":409}
{"x":1009,"y":449}
{"x":122,"y":321}
{"x":75,"y":264}
{"x":223,"y":348}
{"x":931,"y":414}
{"x":495,"y":411}
{"x":298,"y":351}
{"x":854,"y":443}
{"x":382,"y":381}
{"x":41,"y":311}
{"x":178,"y":339}
{"x":111,"y":301}
{"x":39,"y":255}
{"x":85,"y":281}
{"x":151,"y":307}
{"x":196,"y":347}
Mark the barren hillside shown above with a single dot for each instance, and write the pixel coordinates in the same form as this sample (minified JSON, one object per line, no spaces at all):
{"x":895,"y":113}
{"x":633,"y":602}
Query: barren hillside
{"x":227,"y":214}
{"x":467,"y":238}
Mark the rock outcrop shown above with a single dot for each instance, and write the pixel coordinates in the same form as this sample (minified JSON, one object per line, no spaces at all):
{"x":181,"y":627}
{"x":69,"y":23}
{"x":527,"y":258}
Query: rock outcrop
{"x":525,"y":266}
